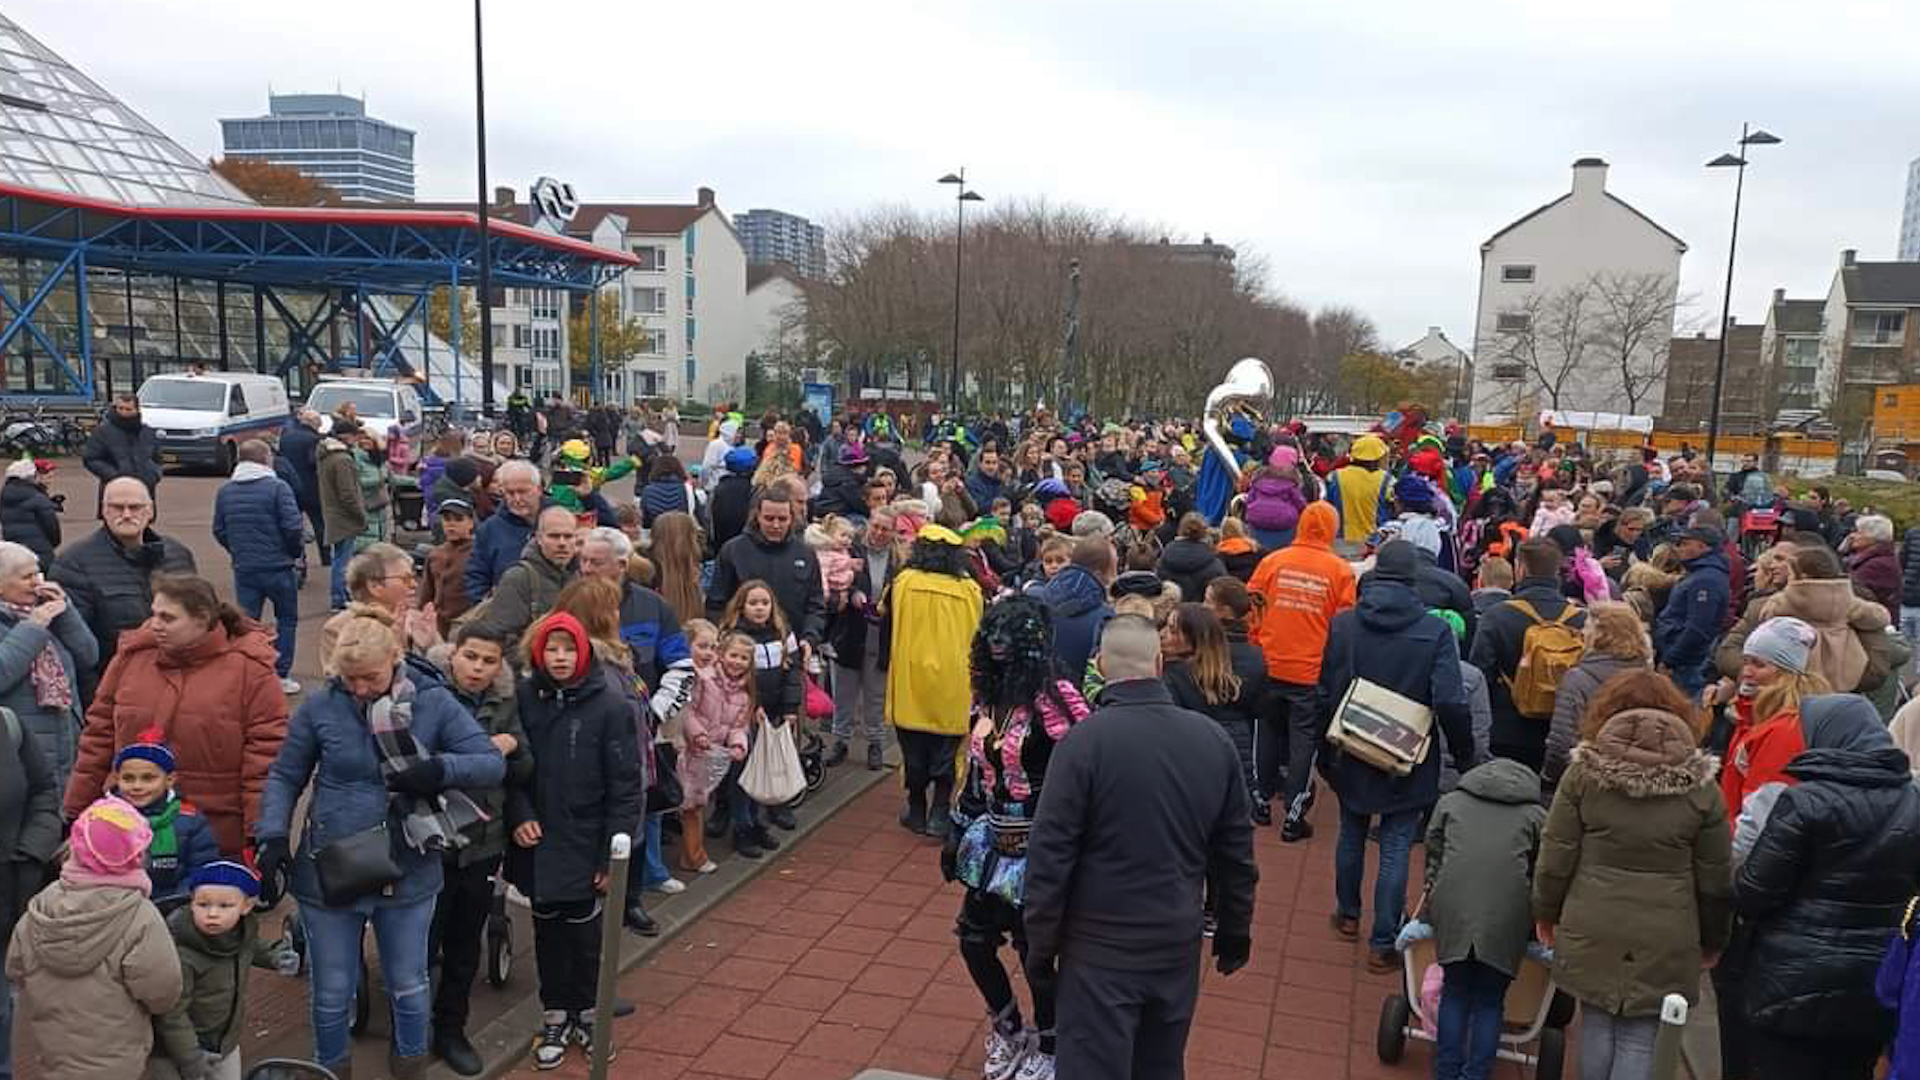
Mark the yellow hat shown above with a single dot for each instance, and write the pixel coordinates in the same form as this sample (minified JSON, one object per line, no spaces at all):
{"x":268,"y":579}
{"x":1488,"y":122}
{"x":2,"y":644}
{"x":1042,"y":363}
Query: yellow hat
{"x":577,"y":449}
{"x":1368,"y":448}
{"x":939,"y":534}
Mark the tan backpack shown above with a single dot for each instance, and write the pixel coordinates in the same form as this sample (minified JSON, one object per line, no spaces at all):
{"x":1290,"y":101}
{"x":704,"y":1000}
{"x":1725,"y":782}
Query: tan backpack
{"x":1549,"y":650}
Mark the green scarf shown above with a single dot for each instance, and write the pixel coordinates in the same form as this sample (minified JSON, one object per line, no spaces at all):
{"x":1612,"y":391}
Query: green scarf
{"x":164,"y":842}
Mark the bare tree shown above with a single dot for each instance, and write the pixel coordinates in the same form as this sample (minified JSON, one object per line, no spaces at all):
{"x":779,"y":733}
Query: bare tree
{"x":1546,"y":341}
{"x":1632,"y":333}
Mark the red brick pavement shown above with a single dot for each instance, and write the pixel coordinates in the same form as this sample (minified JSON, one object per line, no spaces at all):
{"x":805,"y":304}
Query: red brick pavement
{"x":841,"y":957}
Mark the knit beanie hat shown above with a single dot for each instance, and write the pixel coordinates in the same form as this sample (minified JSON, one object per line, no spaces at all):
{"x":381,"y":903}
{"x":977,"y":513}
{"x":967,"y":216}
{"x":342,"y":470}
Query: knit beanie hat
{"x":1396,"y":561}
{"x":149,"y":748}
{"x":226,"y":872}
{"x":462,"y":472}
{"x":1412,"y":492}
{"x":1092,"y":523}
{"x":1783,"y":641}
{"x":1283,"y":458}
{"x":109,"y":846}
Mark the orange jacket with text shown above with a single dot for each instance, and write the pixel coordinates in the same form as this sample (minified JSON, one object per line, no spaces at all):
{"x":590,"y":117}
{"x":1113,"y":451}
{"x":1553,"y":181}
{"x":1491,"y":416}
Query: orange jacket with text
{"x":1299,"y":589}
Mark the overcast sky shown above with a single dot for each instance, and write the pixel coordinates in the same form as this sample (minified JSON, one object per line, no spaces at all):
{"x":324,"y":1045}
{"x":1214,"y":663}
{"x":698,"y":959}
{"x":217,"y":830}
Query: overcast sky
{"x":1364,"y":150}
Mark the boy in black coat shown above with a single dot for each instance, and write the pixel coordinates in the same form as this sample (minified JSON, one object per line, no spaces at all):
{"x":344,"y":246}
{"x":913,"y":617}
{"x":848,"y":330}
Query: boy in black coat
{"x":587,"y":786}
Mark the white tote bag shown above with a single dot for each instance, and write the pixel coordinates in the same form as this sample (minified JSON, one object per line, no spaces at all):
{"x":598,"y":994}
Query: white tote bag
{"x":772,"y":776}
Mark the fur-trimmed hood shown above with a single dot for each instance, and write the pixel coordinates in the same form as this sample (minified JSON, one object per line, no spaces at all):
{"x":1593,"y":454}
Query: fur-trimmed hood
{"x":1644,"y":753}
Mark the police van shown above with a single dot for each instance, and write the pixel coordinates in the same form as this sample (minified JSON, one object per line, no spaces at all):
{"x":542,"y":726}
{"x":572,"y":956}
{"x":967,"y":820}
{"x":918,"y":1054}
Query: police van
{"x":200,"y":420}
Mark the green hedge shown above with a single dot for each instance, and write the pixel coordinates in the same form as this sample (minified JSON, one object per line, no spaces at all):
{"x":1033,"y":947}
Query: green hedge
{"x":1898,"y":500}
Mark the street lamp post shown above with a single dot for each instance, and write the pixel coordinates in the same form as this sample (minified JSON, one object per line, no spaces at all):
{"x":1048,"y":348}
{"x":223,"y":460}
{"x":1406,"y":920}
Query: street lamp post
{"x":1738,"y":162}
{"x":486,"y":255}
{"x":960,"y":200}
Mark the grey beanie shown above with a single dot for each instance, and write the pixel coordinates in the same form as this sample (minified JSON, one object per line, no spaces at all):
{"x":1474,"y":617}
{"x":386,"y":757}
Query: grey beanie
{"x":1092,"y":523}
{"x":1783,"y":641}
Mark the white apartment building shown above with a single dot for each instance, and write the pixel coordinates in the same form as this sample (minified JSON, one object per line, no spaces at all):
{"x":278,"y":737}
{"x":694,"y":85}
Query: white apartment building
{"x":688,"y":294}
{"x":775,"y":308}
{"x":1527,"y":342}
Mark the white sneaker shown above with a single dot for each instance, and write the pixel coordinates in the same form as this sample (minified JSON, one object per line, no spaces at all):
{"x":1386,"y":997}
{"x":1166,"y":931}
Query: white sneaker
{"x":1035,"y":1066}
{"x":289,"y":687}
{"x":669,"y":886}
{"x":709,"y":867}
{"x":1004,"y":1054}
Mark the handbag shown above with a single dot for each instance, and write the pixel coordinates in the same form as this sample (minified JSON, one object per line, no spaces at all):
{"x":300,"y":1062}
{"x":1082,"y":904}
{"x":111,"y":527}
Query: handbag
{"x":666,"y":792}
{"x":771,"y":775}
{"x":1381,"y":728}
{"x":357,"y":866}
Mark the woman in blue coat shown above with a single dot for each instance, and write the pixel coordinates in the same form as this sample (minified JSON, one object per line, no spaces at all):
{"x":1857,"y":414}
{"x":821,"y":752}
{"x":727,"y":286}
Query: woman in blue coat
{"x":427,"y":743}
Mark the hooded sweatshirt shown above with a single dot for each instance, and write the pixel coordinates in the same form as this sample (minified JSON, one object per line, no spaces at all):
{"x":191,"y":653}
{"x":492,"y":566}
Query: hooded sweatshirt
{"x":1303,"y":586}
{"x":93,"y":959}
{"x":1480,"y":848}
{"x":1079,"y":605}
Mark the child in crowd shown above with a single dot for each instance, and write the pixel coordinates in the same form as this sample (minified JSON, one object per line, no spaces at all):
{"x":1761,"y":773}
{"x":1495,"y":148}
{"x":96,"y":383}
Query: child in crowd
{"x":1554,"y":510}
{"x":443,"y":588}
{"x":93,"y":956}
{"x":218,"y":938}
{"x":832,"y":544}
{"x":1492,"y":585}
{"x":1481,"y":843}
{"x":627,"y":517}
{"x":1055,"y":552}
{"x":182,"y":841}
{"x":475,"y":668}
{"x":586,"y":786}
{"x":778,"y":686}
{"x":724,"y":706}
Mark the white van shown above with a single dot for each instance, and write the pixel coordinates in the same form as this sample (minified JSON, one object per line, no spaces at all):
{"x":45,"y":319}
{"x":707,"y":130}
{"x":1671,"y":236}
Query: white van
{"x":200,"y":419}
{"x":380,"y":403}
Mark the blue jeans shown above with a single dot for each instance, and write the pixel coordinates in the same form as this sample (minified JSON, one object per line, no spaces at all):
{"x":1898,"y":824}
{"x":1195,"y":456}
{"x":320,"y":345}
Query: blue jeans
{"x":342,"y":553}
{"x":333,"y":957}
{"x":1471,"y":1000}
{"x":653,"y":869}
{"x":256,"y":588}
{"x":1390,"y":887}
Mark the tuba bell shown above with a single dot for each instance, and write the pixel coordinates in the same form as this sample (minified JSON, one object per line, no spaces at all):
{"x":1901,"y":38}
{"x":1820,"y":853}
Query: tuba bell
{"x":1248,"y":389}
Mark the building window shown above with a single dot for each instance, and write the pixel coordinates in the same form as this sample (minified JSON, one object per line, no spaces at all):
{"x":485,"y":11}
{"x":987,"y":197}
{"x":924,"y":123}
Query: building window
{"x":1508,"y":372}
{"x":1879,"y":327}
{"x":688,"y":389}
{"x":653,"y":258}
{"x":545,"y":303}
{"x":1517,"y":275}
{"x":522,"y":336}
{"x":650,"y":301}
{"x":546,"y":344}
{"x":689,"y":331}
{"x":649,"y":383}
{"x":653,"y":342}
{"x":1513,"y":322}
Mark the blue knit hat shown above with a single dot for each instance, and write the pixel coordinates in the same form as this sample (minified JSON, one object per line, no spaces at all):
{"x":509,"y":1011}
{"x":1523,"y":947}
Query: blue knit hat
{"x":741,"y":459}
{"x":151,"y":750}
{"x":226,"y":872}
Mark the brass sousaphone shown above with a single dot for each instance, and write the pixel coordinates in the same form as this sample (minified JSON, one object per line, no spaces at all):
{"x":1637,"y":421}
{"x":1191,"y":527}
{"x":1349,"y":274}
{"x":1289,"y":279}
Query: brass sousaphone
{"x":1248,"y":390}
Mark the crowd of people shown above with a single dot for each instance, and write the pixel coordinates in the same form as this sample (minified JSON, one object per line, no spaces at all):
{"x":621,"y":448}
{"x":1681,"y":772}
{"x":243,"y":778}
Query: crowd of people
{"x":1099,"y":656}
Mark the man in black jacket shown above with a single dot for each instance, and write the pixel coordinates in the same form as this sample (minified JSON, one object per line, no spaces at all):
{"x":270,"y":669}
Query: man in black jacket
{"x":1391,"y":639}
{"x":109,"y":574}
{"x":771,"y":549}
{"x":123,"y":446}
{"x":300,"y":448}
{"x":1143,"y":805}
{"x":1496,"y":649}
{"x":731,"y":495}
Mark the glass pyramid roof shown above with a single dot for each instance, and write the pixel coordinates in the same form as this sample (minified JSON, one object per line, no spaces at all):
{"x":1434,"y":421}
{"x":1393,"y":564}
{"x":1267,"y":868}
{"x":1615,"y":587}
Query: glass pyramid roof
{"x":61,"y":131}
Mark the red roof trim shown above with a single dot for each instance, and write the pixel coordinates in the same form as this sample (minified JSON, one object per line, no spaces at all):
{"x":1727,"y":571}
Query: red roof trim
{"x":321,"y":215}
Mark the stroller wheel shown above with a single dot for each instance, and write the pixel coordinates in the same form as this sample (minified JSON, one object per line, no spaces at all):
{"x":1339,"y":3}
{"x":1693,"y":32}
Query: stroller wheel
{"x":1391,"y":1042}
{"x":499,"y":951}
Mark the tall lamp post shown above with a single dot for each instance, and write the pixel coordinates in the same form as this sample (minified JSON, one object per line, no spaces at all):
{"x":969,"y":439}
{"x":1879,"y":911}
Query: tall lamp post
{"x":961,"y":198}
{"x":1738,"y":162}
{"x":486,"y":254}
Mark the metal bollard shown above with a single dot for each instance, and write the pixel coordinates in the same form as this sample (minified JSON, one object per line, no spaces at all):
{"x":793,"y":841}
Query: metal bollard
{"x":621,"y":854}
{"x":1666,"y":1044}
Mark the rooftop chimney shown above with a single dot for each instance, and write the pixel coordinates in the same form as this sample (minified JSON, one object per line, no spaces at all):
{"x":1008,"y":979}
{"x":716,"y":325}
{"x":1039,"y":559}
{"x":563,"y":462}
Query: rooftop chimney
{"x":503,"y":196}
{"x":1779,"y":296}
{"x":705,"y":196}
{"x":1434,"y":331}
{"x":1847,"y":255}
{"x":1589,"y":177}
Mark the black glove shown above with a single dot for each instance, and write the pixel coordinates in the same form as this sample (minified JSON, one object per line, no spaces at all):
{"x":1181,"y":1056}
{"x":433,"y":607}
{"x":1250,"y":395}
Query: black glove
{"x":1230,"y":952}
{"x":272,"y":858}
{"x":424,"y":777}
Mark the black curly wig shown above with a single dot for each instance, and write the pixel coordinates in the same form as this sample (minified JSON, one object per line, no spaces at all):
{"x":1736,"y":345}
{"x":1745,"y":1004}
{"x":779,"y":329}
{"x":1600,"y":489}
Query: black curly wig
{"x":1012,"y":657}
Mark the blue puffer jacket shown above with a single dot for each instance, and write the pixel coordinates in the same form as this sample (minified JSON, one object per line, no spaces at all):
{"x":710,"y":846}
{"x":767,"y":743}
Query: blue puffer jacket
{"x":256,"y":517}
{"x":497,"y":544}
{"x":1079,"y":605}
{"x":328,"y":742}
{"x":1684,"y":634}
{"x":650,"y":629}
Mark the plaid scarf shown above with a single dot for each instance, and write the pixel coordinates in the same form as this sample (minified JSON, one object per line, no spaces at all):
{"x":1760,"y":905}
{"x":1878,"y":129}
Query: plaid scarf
{"x":50,"y":687}
{"x":432,"y":823}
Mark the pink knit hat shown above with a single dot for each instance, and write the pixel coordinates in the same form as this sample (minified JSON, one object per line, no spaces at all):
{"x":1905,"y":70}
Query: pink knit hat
{"x":1283,"y":457}
{"x":109,"y":846}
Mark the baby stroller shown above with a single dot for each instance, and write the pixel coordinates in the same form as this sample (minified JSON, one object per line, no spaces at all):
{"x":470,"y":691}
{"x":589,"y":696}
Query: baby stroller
{"x":1536,"y":1012}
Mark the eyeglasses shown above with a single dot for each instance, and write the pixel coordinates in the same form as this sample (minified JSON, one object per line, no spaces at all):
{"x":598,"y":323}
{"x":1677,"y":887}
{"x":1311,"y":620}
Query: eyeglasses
{"x":127,"y":508}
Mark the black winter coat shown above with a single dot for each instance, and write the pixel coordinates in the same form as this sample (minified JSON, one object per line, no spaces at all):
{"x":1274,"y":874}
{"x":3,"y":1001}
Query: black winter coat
{"x":1390,"y":639}
{"x":789,"y":567}
{"x":112,"y":587}
{"x":1829,"y":877}
{"x":1190,"y":564}
{"x":856,"y":628}
{"x":300,"y":446}
{"x":844,"y":495}
{"x":1496,"y":652}
{"x":28,"y":516}
{"x":1910,"y":568}
{"x":587,"y":783}
{"x":112,"y":452}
